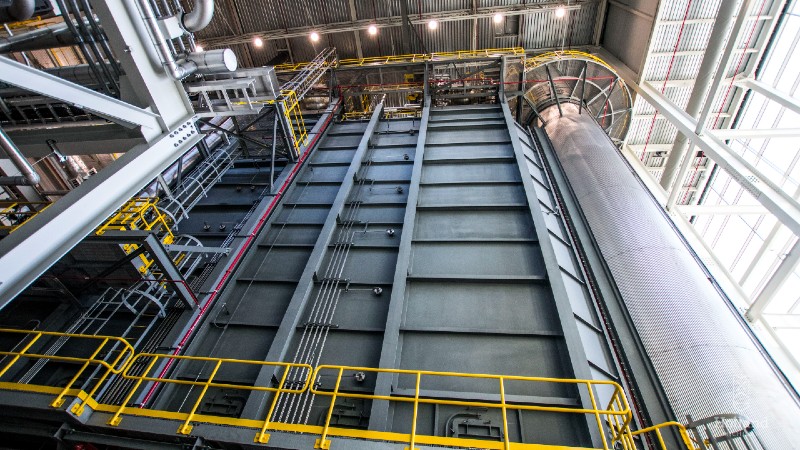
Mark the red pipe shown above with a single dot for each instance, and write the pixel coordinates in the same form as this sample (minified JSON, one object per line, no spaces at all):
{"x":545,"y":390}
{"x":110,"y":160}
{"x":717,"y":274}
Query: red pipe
{"x":239,"y":254}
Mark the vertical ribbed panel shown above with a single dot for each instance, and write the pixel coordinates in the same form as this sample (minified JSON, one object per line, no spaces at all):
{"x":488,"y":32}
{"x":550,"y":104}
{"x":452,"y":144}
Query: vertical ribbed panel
{"x":705,"y":359}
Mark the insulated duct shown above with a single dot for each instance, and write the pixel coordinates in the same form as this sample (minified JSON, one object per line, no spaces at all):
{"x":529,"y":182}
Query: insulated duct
{"x":199,"y":17}
{"x":706,"y":360}
{"x":175,"y":70}
{"x":29,"y":176}
{"x":18,"y":11}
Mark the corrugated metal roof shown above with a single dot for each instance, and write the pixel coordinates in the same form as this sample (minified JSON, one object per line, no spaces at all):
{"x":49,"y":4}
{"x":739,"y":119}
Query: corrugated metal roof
{"x":532,"y":30}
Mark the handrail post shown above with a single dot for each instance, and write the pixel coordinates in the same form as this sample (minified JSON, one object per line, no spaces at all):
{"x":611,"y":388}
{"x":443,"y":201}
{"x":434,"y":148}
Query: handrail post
{"x":19,"y":354}
{"x":60,"y":399}
{"x":323,"y":442}
{"x":78,"y":408}
{"x":414,"y":415}
{"x":263,"y":437}
{"x":186,"y":428}
{"x":661,"y":439}
{"x":116,"y":419}
{"x":596,"y":414}
{"x":506,"y":440}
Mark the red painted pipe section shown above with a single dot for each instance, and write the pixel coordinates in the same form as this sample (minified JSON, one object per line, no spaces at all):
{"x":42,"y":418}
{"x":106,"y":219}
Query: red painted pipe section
{"x":244,"y":248}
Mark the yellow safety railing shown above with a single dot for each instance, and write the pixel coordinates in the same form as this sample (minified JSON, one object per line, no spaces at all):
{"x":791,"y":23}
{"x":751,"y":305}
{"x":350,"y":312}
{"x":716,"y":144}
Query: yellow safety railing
{"x":413,"y":58}
{"x":613,"y":421}
{"x":140,"y":213}
{"x":216,"y":364}
{"x":532,"y":62}
{"x":15,"y":214}
{"x":617,"y":412}
{"x":656,"y":429}
{"x":105,"y":346}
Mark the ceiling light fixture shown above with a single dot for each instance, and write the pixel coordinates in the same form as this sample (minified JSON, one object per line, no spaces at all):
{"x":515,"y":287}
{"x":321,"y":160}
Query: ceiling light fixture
{"x":258,"y":42}
{"x":498,"y":17}
{"x":314,"y":36}
{"x":433,"y":24}
{"x":373,"y":30}
{"x":561,"y":12}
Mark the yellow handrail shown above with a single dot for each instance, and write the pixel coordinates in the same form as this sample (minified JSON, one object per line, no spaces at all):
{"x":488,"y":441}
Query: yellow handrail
{"x":617,"y":407}
{"x":141,"y":213}
{"x":687,"y":441}
{"x":9,"y":209}
{"x":116,"y":366}
{"x":532,"y":62}
{"x":186,"y":428}
{"x":613,"y":421}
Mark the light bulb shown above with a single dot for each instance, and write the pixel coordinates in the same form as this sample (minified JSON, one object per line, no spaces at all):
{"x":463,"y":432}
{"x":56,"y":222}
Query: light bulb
{"x":561,"y":12}
{"x":198,"y":48}
{"x":314,"y":36}
{"x":498,"y":18}
{"x":373,"y":30}
{"x":433,"y":24}
{"x":258,"y":42}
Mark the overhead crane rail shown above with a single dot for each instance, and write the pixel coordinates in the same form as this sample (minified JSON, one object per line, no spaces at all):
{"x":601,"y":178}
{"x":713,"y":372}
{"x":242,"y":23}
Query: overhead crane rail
{"x":117,"y":357}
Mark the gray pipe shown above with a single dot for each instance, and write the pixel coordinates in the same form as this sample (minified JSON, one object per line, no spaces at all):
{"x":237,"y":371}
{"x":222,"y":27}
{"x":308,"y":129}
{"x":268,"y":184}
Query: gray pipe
{"x":175,"y":70}
{"x":50,"y":36}
{"x":199,"y":17}
{"x":29,"y":176}
{"x":709,"y":67}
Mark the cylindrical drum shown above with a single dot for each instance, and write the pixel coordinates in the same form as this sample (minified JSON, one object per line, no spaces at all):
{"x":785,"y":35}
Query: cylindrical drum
{"x":705,"y":359}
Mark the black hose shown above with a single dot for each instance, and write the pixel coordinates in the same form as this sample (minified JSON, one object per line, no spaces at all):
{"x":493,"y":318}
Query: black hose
{"x":75,"y":9}
{"x":82,"y":45}
{"x":101,"y":36}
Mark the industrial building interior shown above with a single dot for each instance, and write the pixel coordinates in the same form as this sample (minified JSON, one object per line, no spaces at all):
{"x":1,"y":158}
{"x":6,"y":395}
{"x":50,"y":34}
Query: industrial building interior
{"x":398,"y":224}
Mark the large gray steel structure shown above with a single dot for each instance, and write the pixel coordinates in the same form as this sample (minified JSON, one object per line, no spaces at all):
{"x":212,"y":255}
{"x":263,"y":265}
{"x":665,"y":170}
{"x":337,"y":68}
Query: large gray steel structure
{"x":441,"y":272}
{"x":442,"y":244}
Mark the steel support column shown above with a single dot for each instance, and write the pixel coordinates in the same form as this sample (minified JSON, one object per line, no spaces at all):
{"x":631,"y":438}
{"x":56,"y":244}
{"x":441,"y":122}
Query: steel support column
{"x":782,"y":205}
{"x":703,"y":83}
{"x":782,"y":98}
{"x":41,"y":82}
{"x":785,"y":270}
{"x":379,"y":416}
{"x":31,"y":250}
{"x":574,"y":347}
{"x":305,"y":286}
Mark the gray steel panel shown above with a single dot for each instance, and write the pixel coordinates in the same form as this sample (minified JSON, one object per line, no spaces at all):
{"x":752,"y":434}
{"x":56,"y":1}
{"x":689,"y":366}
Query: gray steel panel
{"x":359,"y":307}
{"x":382,"y":192}
{"x":474,"y":353}
{"x":324,"y":173}
{"x":476,"y":172}
{"x":476,"y":258}
{"x":489,"y":135}
{"x":480,"y":307}
{"x":277,"y":263}
{"x":296,"y":234}
{"x":445,"y":225}
{"x":380,"y":214}
{"x":467,"y":151}
{"x":300,"y":214}
{"x":369,"y":265}
{"x":486,"y":194}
